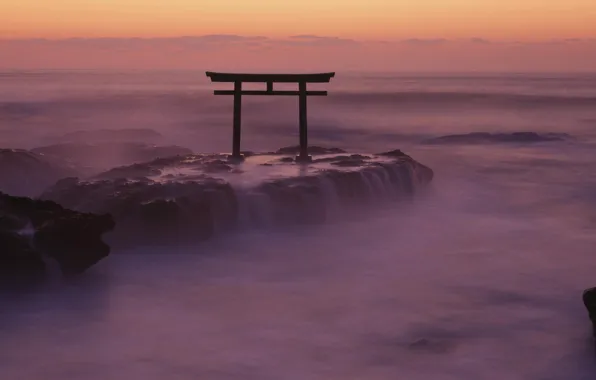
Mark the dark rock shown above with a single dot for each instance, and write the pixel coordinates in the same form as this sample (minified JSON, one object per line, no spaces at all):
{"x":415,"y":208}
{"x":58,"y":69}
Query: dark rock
{"x":74,"y":240}
{"x":589,"y":299}
{"x":30,"y":229}
{"x":11,"y":223}
{"x":296,"y":200}
{"x":24,"y":173}
{"x":153,"y":212}
{"x":17,"y":257}
{"x":311,"y":150}
{"x":487,"y":138}
{"x":394,"y":153}
{"x":350,"y":186}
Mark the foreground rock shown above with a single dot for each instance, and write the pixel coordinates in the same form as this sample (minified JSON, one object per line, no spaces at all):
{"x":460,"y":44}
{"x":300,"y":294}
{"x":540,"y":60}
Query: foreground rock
{"x":190,"y":198}
{"x":31,"y":230}
{"x":491,"y":138}
{"x":589,"y":299}
{"x":26,"y":173}
{"x":152,"y":212}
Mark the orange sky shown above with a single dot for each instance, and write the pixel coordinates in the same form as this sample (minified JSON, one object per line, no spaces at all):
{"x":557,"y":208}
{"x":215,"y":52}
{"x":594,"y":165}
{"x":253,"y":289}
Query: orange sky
{"x":359,"y":19}
{"x":410,"y":35}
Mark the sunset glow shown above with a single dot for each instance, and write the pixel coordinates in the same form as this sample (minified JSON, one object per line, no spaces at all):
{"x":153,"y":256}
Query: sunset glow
{"x":451,"y":35}
{"x":372,"y":19}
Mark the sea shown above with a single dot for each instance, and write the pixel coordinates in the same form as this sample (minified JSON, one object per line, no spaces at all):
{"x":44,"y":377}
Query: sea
{"x":479,"y":277}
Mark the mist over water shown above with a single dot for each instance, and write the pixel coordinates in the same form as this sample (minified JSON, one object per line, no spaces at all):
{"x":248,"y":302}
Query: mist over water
{"x":479,"y":277}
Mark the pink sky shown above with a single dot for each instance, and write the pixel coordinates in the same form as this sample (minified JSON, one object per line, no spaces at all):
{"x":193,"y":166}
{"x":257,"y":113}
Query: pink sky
{"x":231,"y":52}
{"x":388,"y":35}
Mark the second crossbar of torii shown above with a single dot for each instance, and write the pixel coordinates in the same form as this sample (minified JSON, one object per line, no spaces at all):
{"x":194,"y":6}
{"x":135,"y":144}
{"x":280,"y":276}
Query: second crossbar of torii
{"x":269,"y":79}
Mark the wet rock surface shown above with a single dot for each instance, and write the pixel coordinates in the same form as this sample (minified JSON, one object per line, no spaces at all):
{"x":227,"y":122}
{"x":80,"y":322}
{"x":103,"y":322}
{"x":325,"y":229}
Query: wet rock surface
{"x":190,"y":198}
{"x":311,"y":150}
{"x":32,"y":229}
{"x":27,"y":173}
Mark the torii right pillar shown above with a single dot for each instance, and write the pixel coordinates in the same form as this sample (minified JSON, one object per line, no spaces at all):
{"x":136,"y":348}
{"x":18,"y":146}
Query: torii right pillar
{"x":303,"y":119}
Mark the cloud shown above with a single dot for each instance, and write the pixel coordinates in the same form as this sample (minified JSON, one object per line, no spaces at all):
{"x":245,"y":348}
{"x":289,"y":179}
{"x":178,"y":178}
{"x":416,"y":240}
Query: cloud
{"x":588,"y":42}
{"x":300,"y":52}
{"x":224,"y":38}
{"x":205,"y":42}
{"x":477,"y":40}
{"x":314,"y":40}
{"x":205,"y":39}
{"x":425,"y":41}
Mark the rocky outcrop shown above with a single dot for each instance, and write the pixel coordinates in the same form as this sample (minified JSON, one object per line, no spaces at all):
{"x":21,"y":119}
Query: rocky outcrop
{"x":191,"y":198}
{"x":101,"y":156}
{"x":491,"y":138}
{"x":31,"y":230}
{"x":24,"y":173}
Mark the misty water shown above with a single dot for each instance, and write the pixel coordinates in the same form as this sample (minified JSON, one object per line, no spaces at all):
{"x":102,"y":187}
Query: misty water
{"x":478,"y":277}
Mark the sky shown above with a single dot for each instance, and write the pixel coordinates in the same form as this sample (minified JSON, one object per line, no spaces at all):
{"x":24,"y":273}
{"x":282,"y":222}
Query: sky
{"x":259,"y":34}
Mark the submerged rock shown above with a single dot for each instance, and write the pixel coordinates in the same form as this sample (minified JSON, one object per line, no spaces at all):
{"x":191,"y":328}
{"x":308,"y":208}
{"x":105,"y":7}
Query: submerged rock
{"x":25,"y":173}
{"x":394,"y":153}
{"x":32,"y":229}
{"x":487,"y":138}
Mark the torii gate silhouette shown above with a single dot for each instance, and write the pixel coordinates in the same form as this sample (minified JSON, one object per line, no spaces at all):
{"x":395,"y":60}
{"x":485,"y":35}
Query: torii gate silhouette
{"x":302,"y":93}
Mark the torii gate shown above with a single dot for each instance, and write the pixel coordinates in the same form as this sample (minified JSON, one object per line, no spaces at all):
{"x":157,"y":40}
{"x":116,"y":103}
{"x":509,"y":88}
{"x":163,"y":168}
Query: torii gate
{"x":302,"y":93}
